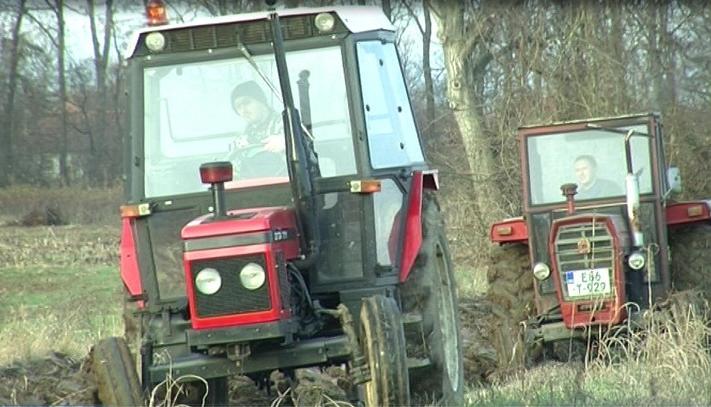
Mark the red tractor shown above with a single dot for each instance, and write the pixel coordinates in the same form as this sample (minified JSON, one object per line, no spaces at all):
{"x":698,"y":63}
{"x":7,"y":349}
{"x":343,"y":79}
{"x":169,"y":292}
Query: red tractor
{"x":324,"y":246}
{"x":595,"y":232}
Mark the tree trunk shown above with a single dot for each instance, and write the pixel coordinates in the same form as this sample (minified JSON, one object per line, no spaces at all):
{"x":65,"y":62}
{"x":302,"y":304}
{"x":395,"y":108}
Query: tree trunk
{"x":427,"y":70}
{"x":101,"y":56}
{"x":7,"y":138}
{"x":64,"y":152}
{"x":465,"y":66}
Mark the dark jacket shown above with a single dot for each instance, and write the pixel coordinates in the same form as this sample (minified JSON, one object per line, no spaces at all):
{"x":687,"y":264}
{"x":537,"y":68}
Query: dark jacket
{"x":601,"y":188}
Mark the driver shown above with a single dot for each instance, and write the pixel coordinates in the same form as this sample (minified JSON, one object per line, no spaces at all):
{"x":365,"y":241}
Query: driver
{"x":589,"y":185}
{"x":264,"y":125}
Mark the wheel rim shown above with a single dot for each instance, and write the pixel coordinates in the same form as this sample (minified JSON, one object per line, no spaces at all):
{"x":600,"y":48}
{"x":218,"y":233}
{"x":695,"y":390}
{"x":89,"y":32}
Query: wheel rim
{"x":447,"y":317}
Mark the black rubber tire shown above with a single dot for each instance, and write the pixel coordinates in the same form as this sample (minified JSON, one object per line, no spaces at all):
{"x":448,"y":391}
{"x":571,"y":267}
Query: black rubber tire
{"x":512,"y":296}
{"x":431,"y":291}
{"x":115,"y":374}
{"x":383,"y":345}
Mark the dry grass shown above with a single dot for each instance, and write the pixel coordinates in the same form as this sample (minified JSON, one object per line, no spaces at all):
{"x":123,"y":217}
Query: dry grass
{"x":29,"y":332}
{"x":75,"y":205}
{"x":58,"y":245}
{"x":662,"y":361}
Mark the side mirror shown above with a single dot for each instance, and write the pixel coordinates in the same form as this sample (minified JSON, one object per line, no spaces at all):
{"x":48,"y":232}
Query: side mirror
{"x":674,"y":180}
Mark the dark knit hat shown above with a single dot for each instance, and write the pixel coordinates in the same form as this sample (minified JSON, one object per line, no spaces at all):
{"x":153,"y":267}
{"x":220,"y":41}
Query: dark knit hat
{"x":249,"y":88}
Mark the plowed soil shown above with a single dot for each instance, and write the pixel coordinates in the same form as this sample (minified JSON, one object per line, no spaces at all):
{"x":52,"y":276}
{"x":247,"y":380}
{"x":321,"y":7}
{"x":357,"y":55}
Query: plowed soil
{"x":57,"y":379}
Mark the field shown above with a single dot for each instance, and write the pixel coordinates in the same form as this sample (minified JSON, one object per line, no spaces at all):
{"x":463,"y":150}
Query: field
{"x":60,"y":292}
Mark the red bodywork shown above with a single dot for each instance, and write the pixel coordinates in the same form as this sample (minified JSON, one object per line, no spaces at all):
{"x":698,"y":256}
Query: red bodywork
{"x":128,"y":263}
{"x":682,"y":213}
{"x":413,"y":223}
{"x":603,"y":311}
{"x":244,"y":223}
{"x":512,"y":230}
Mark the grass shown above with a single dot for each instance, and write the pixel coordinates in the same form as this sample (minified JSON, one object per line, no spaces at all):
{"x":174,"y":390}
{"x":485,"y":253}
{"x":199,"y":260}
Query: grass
{"x":664,"y":361}
{"x":60,"y":290}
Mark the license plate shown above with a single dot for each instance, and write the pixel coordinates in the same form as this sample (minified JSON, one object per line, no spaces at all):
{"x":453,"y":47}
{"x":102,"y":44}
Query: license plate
{"x":591,"y":282}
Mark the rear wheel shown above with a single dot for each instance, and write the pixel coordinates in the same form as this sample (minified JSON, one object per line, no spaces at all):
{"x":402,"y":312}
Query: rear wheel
{"x":115,"y":374}
{"x":690,"y":248}
{"x":430,"y":291}
{"x":511,"y":293}
{"x":383,"y":345}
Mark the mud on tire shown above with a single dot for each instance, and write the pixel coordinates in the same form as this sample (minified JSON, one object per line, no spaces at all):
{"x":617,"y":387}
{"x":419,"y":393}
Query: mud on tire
{"x":115,"y":374}
{"x":383,"y":345}
{"x":511,"y":294}
{"x":431,"y":292}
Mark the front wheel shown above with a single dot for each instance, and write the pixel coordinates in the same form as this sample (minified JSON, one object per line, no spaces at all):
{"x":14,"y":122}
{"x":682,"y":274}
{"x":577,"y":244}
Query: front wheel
{"x":115,"y":374}
{"x":383,"y":345}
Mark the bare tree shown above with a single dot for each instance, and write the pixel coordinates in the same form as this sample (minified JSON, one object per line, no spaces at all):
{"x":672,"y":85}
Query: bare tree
{"x":97,"y":137}
{"x":7,"y":139}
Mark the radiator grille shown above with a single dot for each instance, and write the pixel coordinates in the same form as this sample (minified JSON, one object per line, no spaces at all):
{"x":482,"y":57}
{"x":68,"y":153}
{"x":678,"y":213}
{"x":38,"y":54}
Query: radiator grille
{"x":232,"y":297}
{"x":571,"y":253}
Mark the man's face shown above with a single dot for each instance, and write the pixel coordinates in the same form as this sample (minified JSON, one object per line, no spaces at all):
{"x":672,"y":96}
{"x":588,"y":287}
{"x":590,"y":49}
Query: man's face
{"x":584,"y":172}
{"x":251,"y":109}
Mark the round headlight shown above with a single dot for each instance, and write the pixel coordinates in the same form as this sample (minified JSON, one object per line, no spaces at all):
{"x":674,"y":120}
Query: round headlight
{"x":155,"y":41}
{"x":324,"y":22}
{"x":636,"y":261}
{"x":252,"y":276}
{"x":208,"y":281}
{"x":541,"y":271}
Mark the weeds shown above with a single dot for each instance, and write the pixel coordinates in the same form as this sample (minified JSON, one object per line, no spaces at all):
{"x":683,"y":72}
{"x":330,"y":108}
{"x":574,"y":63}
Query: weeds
{"x":660,"y":359}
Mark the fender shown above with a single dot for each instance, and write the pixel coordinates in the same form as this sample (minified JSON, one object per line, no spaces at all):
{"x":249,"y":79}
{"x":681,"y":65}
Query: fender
{"x":128,"y":263}
{"x":412,"y":235}
{"x":512,"y":230}
{"x":684,"y":213}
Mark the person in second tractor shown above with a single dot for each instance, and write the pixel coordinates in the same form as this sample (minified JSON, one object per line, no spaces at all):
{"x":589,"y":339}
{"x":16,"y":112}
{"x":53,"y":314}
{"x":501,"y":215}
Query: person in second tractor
{"x":589,"y":185}
{"x":262,"y":142}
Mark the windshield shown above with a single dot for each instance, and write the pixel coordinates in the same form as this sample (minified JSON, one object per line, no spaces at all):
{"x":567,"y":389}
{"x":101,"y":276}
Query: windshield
{"x":223,"y":110}
{"x":592,"y":159}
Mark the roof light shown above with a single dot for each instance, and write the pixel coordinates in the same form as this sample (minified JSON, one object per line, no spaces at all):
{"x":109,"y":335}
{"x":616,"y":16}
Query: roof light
{"x":324,"y":22}
{"x":155,"y":13}
{"x":155,"y":41}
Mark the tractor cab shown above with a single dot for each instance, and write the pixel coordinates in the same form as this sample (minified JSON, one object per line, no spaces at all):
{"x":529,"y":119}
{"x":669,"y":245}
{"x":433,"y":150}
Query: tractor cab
{"x":276,"y":202}
{"x":345,"y":77}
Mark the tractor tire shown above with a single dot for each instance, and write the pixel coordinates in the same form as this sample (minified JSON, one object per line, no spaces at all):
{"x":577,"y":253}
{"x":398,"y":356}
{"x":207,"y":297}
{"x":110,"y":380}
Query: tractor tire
{"x":690,"y":249}
{"x":511,"y":294}
{"x":115,"y":374}
{"x":383,"y":345}
{"x":431,"y":292}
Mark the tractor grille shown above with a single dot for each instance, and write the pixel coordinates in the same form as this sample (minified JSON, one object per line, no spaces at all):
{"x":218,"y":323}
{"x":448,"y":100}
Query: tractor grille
{"x":232,"y":297}
{"x":571,"y":253}
{"x":232,"y":34}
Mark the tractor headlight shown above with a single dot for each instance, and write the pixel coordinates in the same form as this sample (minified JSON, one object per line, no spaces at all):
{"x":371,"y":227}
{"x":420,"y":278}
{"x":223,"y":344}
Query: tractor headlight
{"x":636,"y":261}
{"x":541,"y":271}
{"x":324,"y":22}
{"x":208,"y":281}
{"x":155,"y":41}
{"x":252,"y":276}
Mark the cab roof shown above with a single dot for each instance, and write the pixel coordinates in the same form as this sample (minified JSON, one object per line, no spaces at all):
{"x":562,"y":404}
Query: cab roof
{"x":356,"y":19}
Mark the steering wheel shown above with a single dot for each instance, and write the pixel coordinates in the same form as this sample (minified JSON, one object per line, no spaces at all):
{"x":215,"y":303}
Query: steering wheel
{"x":253,"y":161}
